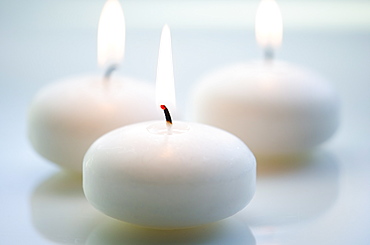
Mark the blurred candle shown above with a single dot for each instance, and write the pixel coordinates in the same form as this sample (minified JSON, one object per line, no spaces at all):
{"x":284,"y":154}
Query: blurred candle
{"x":67,"y":116}
{"x":169,"y":176}
{"x":276,"y":108}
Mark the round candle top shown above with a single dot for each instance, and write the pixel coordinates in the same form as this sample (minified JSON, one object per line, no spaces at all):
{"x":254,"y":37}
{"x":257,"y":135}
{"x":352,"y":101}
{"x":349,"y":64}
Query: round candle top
{"x":66,"y":117}
{"x":143,"y":175}
{"x":275,"y":107}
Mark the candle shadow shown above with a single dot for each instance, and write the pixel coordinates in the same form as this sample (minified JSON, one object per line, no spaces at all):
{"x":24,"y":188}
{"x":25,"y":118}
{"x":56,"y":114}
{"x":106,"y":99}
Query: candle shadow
{"x":293,"y":191}
{"x":230,"y":231}
{"x":60,"y":211}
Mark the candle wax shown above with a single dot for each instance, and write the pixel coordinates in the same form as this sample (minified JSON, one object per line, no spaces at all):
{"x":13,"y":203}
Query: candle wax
{"x":275,"y":107}
{"x":66,"y":117}
{"x":142,"y":175}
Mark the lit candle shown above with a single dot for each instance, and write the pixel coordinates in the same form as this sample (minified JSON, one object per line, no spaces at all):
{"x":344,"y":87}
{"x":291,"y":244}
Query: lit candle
{"x":276,"y":108}
{"x":168,"y":176}
{"x":66,"y":117}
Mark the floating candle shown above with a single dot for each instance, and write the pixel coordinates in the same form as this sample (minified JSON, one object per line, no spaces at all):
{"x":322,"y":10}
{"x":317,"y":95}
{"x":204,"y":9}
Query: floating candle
{"x":66,"y":117}
{"x":276,"y":108}
{"x":169,"y":176}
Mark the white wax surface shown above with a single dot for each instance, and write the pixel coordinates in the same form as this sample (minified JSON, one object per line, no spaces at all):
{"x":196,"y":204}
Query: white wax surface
{"x":142,"y":175}
{"x":276,"y":108}
{"x":66,"y":117}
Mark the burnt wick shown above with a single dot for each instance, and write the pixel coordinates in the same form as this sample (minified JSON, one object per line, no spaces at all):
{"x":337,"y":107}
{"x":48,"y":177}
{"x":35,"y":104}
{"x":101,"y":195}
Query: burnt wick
{"x":167,"y":114}
{"x":168,"y":118}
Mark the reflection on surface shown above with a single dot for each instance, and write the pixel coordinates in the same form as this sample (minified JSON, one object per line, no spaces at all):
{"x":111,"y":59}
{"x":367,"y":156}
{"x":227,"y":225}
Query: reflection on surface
{"x":293,"y":191}
{"x":282,"y":165}
{"x":230,"y":231}
{"x":287,"y":193}
{"x":60,"y":210}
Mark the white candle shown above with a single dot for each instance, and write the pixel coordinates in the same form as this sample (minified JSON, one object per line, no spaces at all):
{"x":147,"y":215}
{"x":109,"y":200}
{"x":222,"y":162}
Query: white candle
{"x":66,"y":117}
{"x":169,"y":176}
{"x":275,"y":107}
{"x":197,"y":175}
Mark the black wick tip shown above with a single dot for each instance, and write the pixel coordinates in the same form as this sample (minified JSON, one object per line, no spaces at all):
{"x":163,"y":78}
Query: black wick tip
{"x":166,"y":114}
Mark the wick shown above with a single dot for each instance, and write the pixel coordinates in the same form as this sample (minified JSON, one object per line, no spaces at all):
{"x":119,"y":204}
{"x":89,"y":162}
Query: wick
{"x":168,"y":118}
{"x":269,"y":54}
{"x":109,"y":71}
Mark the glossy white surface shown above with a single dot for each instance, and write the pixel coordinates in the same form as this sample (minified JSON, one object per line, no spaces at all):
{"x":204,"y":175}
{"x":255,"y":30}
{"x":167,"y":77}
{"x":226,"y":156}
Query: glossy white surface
{"x":324,"y":202}
{"x":142,"y":175}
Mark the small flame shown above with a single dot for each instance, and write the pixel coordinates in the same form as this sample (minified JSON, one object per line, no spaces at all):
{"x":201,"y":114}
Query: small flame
{"x":165,"y":85}
{"x":111,"y":34}
{"x":269,"y":24}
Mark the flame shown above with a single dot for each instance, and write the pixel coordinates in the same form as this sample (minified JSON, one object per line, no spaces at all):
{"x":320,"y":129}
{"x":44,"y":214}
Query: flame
{"x":165,"y":85}
{"x":111,"y":34}
{"x":269,"y":24}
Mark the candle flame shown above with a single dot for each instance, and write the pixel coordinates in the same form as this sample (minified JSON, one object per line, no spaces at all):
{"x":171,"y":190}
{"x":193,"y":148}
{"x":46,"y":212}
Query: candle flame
{"x":269,"y":24}
{"x":111,"y":34}
{"x":165,"y":85}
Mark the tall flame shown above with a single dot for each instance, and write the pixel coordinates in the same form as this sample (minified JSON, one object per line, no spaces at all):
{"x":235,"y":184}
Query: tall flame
{"x":111,"y":34}
{"x":269,"y":24}
{"x":165,"y":86}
